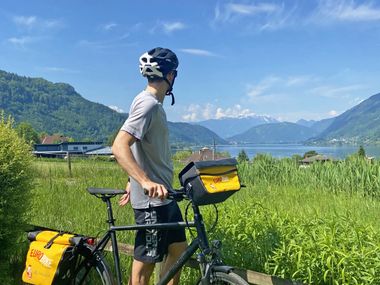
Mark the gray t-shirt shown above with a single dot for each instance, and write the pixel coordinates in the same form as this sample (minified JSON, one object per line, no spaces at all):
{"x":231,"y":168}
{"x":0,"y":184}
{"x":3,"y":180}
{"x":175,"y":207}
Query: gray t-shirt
{"x":147,"y":123}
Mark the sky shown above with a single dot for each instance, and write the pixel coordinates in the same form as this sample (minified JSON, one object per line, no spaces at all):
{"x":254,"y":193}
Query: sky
{"x":287,"y":59}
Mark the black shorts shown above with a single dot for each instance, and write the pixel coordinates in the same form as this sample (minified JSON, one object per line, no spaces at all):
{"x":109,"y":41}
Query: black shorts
{"x":152,"y":245}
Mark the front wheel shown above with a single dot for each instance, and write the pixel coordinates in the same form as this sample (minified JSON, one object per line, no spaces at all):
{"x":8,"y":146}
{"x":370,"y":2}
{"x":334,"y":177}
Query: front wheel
{"x":222,"y":278}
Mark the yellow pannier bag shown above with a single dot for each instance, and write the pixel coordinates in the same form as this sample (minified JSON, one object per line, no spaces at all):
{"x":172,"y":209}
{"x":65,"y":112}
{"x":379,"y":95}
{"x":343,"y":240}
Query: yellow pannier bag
{"x":51,"y":258}
{"x":210,"y":182}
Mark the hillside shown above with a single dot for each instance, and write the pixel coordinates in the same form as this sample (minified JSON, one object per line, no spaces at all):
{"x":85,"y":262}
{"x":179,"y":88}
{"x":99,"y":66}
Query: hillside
{"x":317,"y":126}
{"x":184,"y":133}
{"x":360,"y":124}
{"x":228,"y":127}
{"x":58,"y":108}
{"x":274,"y":133}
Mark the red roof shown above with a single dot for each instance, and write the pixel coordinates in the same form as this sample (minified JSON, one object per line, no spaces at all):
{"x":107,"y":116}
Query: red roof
{"x":54,"y":139}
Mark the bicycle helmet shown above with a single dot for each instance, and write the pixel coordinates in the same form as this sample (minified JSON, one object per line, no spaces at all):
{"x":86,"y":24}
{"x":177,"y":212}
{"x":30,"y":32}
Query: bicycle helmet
{"x":157,"y":63}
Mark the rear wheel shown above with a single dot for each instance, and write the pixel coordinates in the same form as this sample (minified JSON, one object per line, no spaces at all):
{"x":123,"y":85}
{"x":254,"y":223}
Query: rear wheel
{"x":94,"y":272}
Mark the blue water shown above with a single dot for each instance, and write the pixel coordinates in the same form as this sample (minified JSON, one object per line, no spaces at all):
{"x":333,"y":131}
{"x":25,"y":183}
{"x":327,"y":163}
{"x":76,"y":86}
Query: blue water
{"x":287,"y":150}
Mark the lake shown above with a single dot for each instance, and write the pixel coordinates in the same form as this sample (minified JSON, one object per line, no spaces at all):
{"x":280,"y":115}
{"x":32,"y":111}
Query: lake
{"x":287,"y":150}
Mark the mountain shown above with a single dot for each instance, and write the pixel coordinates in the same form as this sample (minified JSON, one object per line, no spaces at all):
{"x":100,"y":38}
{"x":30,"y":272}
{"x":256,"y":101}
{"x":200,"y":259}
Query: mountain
{"x":228,"y":127}
{"x":184,"y":133}
{"x":58,"y":108}
{"x":306,"y":123}
{"x":360,"y":124}
{"x":274,"y":133}
{"x":317,"y":126}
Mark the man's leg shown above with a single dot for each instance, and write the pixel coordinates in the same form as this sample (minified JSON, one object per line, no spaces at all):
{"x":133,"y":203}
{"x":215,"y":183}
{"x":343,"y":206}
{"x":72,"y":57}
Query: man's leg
{"x":141,"y":273}
{"x":174,"y":252}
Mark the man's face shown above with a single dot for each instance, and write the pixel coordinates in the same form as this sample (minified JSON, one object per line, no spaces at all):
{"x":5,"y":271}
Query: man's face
{"x":171,"y":76}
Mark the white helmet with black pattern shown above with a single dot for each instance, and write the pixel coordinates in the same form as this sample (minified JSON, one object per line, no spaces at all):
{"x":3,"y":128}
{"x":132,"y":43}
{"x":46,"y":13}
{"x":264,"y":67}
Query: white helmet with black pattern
{"x":158,"y":62}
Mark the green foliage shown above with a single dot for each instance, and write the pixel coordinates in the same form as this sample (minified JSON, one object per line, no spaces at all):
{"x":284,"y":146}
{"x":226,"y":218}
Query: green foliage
{"x":296,"y":157}
{"x":15,"y":177}
{"x":223,"y":154}
{"x":310,"y":153}
{"x":242,"y":156}
{"x":27,"y":132}
{"x":112,"y":138}
{"x":318,"y":225}
{"x":182,"y":155}
{"x":361,"y":152}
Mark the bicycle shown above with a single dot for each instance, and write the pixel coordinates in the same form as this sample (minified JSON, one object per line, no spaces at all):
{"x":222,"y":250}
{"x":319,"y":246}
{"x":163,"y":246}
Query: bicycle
{"x":91,"y":267}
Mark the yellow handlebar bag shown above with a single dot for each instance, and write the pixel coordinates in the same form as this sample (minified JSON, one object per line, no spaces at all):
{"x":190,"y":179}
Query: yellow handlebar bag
{"x":210,"y":182}
{"x":51,"y":258}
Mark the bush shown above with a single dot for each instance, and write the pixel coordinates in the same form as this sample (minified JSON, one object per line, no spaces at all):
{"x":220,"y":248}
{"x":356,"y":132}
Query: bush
{"x":15,"y":177}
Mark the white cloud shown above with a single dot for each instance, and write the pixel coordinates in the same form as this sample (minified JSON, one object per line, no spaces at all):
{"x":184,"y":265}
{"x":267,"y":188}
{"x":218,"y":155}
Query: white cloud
{"x":116,"y":108}
{"x":257,"y":17}
{"x":57,"y":69}
{"x":32,"y":22}
{"x":21,"y":41}
{"x":332,"y":113}
{"x":170,"y":27}
{"x":109,"y":26}
{"x":199,"y":52}
{"x":347,"y":10}
{"x":102,"y":45}
{"x":25,"y":21}
{"x":334,"y":91}
{"x":232,"y":11}
{"x":251,"y":9}
{"x":196,"y":112}
{"x":259,"y":89}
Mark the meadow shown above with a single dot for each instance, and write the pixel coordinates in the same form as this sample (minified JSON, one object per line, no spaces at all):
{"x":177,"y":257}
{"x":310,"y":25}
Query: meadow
{"x":318,"y":225}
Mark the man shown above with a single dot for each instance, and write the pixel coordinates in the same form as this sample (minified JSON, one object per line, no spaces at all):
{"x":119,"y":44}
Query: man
{"x":142,"y":150}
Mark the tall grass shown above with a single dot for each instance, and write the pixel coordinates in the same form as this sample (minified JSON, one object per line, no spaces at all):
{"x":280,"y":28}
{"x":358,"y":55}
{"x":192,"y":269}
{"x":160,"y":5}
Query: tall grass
{"x":319,"y":225}
{"x":357,"y":176}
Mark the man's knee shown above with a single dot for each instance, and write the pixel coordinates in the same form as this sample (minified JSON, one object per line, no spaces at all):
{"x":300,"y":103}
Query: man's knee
{"x":176,"y":249}
{"x":141,"y":272}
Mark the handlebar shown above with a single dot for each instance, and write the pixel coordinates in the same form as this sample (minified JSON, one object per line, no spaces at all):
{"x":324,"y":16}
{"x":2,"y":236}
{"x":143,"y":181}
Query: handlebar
{"x":174,"y":194}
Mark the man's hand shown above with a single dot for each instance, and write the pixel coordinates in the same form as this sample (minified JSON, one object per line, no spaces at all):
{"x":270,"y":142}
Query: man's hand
{"x":124,"y":200}
{"x":155,"y":190}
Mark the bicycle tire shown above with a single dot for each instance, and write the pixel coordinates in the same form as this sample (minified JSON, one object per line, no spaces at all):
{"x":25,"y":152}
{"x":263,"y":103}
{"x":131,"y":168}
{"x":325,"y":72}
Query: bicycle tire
{"x":98,"y":273}
{"x":222,"y":278}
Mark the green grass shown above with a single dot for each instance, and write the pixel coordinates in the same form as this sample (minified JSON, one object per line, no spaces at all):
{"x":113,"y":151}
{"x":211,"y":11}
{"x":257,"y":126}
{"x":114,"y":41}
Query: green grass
{"x":318,"y":225}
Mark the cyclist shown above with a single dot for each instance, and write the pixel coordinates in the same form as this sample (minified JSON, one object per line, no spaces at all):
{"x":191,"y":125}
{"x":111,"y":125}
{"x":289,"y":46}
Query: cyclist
{"x":142,"y":150}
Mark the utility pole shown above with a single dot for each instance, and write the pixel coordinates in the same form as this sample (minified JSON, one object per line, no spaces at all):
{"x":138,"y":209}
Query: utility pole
{"x":214,"y":151}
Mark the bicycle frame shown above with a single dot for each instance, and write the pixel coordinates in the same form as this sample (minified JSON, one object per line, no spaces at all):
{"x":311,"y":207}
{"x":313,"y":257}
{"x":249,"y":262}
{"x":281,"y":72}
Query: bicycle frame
{"x":200,"y":241}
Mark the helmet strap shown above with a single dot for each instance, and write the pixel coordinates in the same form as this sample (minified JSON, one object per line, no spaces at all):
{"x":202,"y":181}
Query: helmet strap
{"x":169,"y":91}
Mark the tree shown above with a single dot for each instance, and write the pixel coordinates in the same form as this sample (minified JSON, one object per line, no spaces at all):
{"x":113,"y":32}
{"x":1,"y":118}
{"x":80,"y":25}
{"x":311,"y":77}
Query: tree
{"x":27,"y":132}
{"x":112,"y":137}
{"x":310,"y":153}
{"x":361,"y":152}
{"x":16,"y":181}
{"x":242,"y":156}
{"x":181,"y":155}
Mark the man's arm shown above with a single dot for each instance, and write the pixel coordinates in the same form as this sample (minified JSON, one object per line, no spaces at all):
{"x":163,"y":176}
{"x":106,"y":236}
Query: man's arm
{"x":121,"y":148}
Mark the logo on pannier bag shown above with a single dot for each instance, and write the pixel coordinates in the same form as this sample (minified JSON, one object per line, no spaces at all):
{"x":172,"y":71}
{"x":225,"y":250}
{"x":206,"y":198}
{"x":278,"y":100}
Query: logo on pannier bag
{"x":42,"y":258}
{"x":220,"y":179}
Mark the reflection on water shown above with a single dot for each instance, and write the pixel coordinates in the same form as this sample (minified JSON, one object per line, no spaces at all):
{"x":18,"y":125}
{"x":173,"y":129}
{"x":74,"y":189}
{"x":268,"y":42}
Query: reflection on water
{"x":287,"y":150}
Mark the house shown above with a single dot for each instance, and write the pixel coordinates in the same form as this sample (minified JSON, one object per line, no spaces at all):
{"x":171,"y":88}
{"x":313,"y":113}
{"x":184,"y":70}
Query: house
{"x":64,"y":148}
{"x":315,"y":158}
{"x":204,"y":154}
